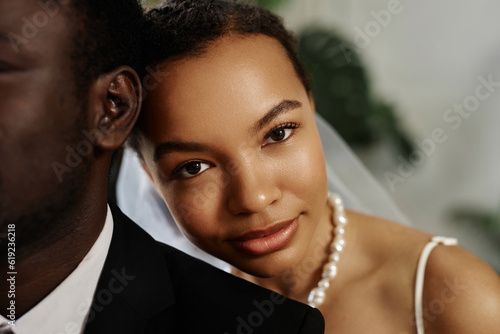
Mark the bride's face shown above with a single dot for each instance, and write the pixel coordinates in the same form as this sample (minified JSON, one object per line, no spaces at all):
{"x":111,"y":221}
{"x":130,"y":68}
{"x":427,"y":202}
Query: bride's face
{"x":232,"y":146}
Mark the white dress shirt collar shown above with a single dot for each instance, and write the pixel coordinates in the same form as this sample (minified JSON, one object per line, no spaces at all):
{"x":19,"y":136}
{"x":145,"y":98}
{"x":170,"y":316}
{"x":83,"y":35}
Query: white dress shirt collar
{"x":66,"y":308}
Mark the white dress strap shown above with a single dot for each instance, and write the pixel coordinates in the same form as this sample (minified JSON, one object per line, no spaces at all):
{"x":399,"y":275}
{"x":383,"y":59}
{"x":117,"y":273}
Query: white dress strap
{"x":419,"y":284}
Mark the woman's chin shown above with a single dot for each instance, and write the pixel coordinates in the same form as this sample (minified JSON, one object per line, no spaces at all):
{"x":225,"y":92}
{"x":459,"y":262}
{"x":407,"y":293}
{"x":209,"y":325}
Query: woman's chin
{"x":259,"y":273}
{"x":262,"y":269}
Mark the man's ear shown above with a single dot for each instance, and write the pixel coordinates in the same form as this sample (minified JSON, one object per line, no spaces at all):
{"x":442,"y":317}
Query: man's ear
{"x":114,"y":105}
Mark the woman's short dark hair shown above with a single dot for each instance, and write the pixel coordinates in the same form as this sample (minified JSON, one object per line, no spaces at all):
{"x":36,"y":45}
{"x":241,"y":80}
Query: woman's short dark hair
{"x":184,"y":28}
{"x":180,"y":29}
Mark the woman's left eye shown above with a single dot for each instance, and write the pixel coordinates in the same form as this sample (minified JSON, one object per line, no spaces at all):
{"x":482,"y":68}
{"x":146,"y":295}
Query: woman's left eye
{"x":192,"y":169}
{"x":280,"y":133}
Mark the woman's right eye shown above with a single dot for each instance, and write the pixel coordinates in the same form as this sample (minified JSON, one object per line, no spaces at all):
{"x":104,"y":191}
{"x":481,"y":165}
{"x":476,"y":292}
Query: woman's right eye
{"x":191,"y":169}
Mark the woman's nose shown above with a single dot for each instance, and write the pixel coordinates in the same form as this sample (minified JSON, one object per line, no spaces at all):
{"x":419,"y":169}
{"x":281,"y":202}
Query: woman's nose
{"x":252,"y":189}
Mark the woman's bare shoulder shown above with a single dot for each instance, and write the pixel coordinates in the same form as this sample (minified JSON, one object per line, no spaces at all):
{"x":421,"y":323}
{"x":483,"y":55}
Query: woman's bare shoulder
{"x":390,"y":249}
{"x":461,"y":293}
{"x":388,"y":239}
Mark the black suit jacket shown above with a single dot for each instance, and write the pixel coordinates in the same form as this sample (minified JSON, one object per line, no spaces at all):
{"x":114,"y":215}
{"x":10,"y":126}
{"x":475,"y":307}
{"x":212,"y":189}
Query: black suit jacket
{"x":149,"y":287}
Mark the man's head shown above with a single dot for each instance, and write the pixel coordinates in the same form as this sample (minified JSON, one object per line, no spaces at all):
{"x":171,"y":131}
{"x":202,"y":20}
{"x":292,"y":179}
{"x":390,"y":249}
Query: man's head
{"x":68,"y":98}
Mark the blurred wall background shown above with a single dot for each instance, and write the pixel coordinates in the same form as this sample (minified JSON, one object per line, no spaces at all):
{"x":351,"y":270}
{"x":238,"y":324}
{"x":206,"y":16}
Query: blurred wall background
{"x":437,"y":64}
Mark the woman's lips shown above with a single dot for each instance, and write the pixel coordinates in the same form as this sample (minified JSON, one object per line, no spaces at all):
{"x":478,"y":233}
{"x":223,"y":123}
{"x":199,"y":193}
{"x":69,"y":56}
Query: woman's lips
{"x":266,"y":241}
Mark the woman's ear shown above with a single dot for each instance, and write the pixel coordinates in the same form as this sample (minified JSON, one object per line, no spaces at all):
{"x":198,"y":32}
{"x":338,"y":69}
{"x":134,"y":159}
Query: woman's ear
{"x":114,"y":105}
{"x":311,"y":101}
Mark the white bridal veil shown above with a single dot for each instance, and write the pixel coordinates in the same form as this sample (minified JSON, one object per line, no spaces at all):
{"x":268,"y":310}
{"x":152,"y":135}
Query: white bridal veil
{"x":347,"y":176}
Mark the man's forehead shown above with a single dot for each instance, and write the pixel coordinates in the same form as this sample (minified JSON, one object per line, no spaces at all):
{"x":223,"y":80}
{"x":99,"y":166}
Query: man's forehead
{"x":12,"y":11}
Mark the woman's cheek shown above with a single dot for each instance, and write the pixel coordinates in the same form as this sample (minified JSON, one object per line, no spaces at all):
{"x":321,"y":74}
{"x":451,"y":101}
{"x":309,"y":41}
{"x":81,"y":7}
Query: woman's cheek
{"x":194,"y":207}
{"x":307,"y":168}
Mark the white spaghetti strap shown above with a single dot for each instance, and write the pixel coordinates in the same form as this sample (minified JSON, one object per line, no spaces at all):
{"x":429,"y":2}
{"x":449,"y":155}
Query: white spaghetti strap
{"x":419,"y":284}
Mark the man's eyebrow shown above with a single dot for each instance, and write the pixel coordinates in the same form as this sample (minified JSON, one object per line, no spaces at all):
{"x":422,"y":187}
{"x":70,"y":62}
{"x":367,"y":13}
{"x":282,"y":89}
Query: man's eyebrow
{"x":282,"y":107}
{"x":177,"y":146}
{"x":13,"y":41}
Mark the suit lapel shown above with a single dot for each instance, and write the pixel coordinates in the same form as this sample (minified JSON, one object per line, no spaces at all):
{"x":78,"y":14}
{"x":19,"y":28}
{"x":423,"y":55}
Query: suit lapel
{"x":134,"y":285}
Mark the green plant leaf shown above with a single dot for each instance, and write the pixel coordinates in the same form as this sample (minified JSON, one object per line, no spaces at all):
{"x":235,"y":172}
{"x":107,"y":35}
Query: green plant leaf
{"x":271,"y":4}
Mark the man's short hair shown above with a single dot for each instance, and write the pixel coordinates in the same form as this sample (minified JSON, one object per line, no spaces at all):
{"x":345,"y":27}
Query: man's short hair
{"x":107,"y":34}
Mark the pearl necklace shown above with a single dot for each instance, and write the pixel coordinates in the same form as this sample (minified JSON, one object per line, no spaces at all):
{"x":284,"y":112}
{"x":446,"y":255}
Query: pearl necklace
{"x":339,"y":221}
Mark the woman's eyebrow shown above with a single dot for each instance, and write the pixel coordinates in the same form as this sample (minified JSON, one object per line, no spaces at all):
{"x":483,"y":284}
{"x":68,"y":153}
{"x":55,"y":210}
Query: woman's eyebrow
{"x":282,"y":107}
{"x":177,"y":146}
{"x":180,"y":146}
